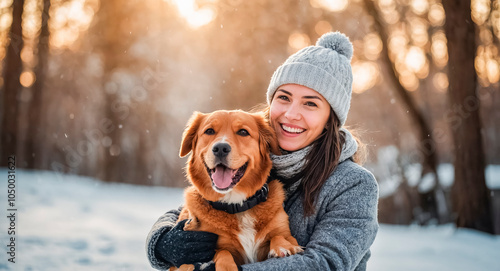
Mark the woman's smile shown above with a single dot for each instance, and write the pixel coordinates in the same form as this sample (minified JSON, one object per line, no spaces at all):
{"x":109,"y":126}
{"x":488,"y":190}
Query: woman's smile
{"x":291,"y":129}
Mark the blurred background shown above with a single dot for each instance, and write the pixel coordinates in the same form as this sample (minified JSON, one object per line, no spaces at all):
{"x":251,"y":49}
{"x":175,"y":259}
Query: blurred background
{"x":104,"y":89}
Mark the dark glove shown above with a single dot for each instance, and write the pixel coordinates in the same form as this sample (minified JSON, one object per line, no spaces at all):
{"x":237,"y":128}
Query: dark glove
{"x":209,"y":266}
{"x":180,"y":247}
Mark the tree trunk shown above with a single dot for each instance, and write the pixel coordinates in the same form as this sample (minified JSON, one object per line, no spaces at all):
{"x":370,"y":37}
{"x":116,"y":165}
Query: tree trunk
{"x":35,"y":108}
{"x":12,"y":85}
{"x":470,"y":196}
{"x":427,"y":144}
{"x":112,"y":46}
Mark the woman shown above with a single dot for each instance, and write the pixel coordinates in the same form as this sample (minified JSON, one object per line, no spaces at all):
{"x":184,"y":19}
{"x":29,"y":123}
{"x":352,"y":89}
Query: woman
{"x":331,"y":201}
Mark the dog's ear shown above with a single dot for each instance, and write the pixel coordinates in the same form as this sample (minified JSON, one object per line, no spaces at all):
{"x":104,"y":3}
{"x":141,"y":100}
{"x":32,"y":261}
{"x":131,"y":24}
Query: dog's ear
{"x":267,"y":136}
{"x":189,"y":136}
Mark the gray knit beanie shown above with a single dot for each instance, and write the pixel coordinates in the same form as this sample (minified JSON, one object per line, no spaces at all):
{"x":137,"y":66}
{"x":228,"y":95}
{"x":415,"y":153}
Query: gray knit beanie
{"x":326,"y":68}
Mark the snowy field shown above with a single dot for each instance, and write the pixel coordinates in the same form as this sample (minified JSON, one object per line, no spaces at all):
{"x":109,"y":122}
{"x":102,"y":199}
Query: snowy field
{"x":69,"y":222}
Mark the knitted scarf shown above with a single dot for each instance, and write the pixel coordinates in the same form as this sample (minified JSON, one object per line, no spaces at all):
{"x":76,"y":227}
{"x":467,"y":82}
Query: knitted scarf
{"x":289,"y":164}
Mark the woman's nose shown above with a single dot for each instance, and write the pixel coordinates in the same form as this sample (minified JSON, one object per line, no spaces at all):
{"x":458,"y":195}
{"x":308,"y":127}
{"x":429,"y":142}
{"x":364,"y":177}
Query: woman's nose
{"x":292,"y":113}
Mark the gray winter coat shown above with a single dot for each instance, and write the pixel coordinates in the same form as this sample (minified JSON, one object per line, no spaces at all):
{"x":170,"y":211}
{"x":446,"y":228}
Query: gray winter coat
{"x":337,"y":236}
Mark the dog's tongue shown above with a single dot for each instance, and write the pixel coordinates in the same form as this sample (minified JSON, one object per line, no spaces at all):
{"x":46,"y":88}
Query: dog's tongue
{"x":222,"y":177}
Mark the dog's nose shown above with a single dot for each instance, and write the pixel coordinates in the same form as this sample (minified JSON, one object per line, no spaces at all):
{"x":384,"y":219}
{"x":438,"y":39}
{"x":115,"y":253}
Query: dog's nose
{"x":221,"y":149}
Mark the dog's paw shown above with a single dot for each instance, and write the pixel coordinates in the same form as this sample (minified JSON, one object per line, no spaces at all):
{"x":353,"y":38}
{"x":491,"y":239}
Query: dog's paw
{"x":279,"y":253}
{"x":297,"y":249}
{"x":280,"y":247}
{"x":191,"y":225}
{"x":284,"y":252}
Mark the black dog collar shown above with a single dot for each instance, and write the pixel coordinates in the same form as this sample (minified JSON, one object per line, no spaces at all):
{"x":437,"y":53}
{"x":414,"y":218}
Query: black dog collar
{"x":233,"y":208}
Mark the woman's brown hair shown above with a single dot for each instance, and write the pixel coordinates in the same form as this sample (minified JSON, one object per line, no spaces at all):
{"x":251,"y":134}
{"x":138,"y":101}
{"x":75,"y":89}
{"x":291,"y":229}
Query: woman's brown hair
{"x":322,"y":160}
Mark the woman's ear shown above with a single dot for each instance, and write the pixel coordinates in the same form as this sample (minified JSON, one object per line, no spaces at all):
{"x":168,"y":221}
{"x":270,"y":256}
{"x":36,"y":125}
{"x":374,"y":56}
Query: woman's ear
{"x":189,"y":137}
{"x":268,"y":141}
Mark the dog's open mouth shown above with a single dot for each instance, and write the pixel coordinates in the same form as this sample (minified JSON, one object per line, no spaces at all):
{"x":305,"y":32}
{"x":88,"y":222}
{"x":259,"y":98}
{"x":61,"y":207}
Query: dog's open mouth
{"x":224,"y":178}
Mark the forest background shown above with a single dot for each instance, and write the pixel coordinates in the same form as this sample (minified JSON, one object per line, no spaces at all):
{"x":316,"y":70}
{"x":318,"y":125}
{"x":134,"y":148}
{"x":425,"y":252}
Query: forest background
{"x":105,"y":88}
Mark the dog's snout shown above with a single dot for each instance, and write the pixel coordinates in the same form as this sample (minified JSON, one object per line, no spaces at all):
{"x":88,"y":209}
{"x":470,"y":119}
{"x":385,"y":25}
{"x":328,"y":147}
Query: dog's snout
{"x":221,"y":149}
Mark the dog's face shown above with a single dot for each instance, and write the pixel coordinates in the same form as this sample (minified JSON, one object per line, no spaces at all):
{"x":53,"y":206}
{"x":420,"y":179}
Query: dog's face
{"x":230,"y":153}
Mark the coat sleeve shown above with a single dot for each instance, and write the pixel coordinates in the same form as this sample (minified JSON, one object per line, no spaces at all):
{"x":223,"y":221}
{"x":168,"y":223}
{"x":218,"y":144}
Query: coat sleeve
{"x":345,"y":228}
{"x":163,"y":224}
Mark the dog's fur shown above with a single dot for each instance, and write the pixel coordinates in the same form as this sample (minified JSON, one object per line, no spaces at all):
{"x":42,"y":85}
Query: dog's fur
{"x":252,"y":235}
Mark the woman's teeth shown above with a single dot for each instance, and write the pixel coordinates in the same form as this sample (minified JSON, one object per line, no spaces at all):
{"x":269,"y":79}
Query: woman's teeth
{"x":292,"y":130}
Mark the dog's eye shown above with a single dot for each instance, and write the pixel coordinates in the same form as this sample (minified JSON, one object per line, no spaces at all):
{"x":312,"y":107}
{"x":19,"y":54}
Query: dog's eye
{"x":209,"y":131}
{"x":243,"y":132}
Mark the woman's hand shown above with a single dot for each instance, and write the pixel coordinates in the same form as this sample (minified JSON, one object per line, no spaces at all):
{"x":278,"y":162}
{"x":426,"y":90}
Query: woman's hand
{"x":180,"y":247}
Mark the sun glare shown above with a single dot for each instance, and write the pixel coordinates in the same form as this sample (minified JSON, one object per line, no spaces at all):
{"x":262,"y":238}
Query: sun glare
{"x":419,"y":6}
{"x":480,"y":11}
{"x":372,"y":46}
{"x":365,"y":74}
{"x":298,"y":40}
{"x":193,"y":15}
{"x":415,"y":59}
{"x":436,"y":15}
{"x":333,"y":5}
{"x":322,"y":27}
{"x":68,"y":20}
{"x":27,"y":78}
{"x":492,"y":70}
{"x":439,"y":49}
{"x":440,"y":81}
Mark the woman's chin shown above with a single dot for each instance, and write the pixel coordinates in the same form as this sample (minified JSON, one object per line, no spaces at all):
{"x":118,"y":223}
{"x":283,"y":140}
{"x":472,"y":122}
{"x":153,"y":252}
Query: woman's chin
{"x":289,"y":147}
{"x":292,"y":143}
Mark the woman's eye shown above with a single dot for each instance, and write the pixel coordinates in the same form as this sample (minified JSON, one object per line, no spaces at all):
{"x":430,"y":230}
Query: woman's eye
{"x":311,"y":104}
{"x":283,"y":97}
{"x":243,"y":132}
{"x":209,"y":131}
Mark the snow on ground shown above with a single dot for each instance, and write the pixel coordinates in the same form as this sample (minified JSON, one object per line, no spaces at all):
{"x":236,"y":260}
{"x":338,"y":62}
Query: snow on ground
{"x":67,"y":222}
{"x":438,"y":248}
{"x":76,"y":223}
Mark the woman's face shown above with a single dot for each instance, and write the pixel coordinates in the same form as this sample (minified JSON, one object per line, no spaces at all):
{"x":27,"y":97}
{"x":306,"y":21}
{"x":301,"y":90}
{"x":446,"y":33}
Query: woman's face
{"x":298,"y":115}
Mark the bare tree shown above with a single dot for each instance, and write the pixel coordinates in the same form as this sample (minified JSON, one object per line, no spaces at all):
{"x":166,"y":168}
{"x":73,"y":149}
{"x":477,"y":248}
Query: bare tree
{"x":12,"y":85}
{"x":470,"y":195}
{"x":112,"y":46}
{"x":427,"y":144}
{"x":35,"y":108}
{"x":424,"y":131}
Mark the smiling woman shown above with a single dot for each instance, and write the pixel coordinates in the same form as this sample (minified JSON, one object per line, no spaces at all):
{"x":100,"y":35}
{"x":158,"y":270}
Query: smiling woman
{"x":194,"y":15}
{"x":299,"y":115}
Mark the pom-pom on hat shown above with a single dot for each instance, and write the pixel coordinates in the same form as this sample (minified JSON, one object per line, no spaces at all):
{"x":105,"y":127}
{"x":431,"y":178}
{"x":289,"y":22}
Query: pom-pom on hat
{"x":325,"y":67}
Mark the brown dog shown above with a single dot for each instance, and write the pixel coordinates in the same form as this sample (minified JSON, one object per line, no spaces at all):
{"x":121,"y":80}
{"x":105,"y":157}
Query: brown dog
{"x":230,"y":193}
